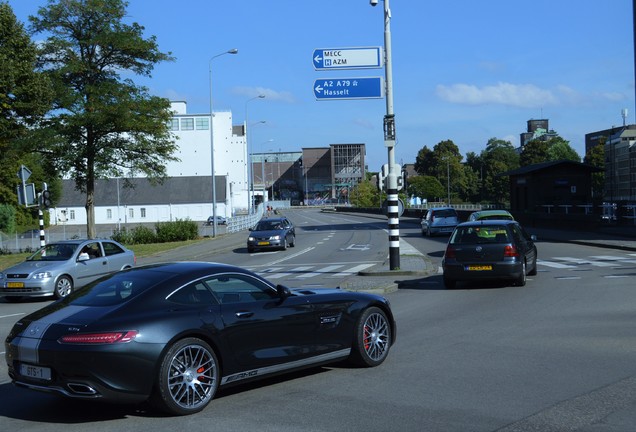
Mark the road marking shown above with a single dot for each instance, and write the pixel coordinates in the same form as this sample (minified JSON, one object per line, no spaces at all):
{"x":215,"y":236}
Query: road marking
{"x":287,"y":257}
{"x":355,"y":269}
{"x":287,"y":273}
{"x":11,"y":315}
{"x":318,"y":272}
{"x":555,"y":264}
{"x":580,"y":261}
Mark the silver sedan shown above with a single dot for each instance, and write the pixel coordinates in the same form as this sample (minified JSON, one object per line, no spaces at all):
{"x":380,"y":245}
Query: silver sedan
{"x":59,"y":268}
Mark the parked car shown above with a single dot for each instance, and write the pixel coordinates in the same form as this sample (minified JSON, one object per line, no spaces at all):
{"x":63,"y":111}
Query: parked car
{"x":59,"y":268}
{"x":439,"y":220}
{"x":174,"y":332}
{"x":489,"y":250}
{"x":272,"y":233}
{"x":490,"y":215}
{"x":220,"y":220}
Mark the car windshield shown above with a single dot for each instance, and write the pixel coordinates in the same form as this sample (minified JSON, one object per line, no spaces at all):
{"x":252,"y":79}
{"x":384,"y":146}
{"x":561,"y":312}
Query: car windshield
{"x":53,"y":252}
{"x":116,"y":289}
{"x":268,"y":225}
{"x":480,"y":234}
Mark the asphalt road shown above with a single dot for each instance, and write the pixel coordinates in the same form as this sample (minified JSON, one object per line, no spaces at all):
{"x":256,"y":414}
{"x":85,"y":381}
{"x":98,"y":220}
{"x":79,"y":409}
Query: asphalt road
{"x":555,"y":355}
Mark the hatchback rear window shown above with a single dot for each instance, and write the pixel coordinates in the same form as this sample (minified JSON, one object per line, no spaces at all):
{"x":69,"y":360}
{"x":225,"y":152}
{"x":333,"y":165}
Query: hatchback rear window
{"x":445,"y":213}
{"x":480,"y":234}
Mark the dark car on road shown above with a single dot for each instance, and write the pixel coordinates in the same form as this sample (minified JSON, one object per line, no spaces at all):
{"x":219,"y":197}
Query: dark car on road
{"x":272,"y":233}
{"x":172,"y":333}
{"x":489,"y":250}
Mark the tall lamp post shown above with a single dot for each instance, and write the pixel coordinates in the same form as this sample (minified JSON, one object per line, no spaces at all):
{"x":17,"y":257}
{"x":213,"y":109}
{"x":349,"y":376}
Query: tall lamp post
{"x":231,"y":51}
{"x":250,"y":183}
{"x":389,"y":142}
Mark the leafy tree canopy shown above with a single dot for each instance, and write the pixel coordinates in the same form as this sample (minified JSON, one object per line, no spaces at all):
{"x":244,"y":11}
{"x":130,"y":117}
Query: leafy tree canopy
{"x":103,"y":125}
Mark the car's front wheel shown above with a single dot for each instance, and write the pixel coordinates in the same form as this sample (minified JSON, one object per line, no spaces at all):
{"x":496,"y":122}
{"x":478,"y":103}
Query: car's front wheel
{"x":63,"y":287}
{"x":372,"y":338}
{"x":188,"y":377}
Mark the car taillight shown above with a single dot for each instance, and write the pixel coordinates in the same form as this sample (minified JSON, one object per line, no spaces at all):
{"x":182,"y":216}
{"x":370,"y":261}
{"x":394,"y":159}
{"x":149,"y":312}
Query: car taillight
{"x":511,"y":251}
{"x":450,"y":252}
{"x":99,"y":338}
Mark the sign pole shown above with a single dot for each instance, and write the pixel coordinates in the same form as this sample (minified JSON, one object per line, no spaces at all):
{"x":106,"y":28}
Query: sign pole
{"x":389,"y":142}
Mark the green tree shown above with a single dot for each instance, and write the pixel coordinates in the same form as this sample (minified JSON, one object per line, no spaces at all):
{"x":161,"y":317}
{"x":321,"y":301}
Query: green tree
{"x":560,"y":149}
{"x":427,"y":187}
{"x":365,"y":194}
{"x":25,"y":96}
{"x":498,"y":157}
{"x":103,"y":125}
{"x":534,"y":152}
{"x":596,"y":157}
{"x":424,"y":161}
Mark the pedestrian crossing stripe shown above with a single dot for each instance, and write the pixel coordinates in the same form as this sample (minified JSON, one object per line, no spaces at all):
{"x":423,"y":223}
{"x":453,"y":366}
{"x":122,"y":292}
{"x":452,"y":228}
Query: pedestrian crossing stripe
{"x":301,"y":272}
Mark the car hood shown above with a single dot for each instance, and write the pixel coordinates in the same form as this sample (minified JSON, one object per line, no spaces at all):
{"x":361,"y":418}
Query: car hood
{"x":30,"y":266}
{"x":267,"y":233}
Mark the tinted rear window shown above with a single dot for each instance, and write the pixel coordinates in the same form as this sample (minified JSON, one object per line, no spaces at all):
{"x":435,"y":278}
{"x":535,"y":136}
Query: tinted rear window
{"x":117,"y":288}
{"x":480,"y":234}
{"x":445,"y":213}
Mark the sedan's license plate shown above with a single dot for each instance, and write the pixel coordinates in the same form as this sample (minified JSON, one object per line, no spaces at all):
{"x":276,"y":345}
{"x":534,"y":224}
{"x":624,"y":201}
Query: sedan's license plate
{"x":479,"y":268}
{"x":38,"y":372}
{"x":15,"y":284}
{"x":263,"y":243}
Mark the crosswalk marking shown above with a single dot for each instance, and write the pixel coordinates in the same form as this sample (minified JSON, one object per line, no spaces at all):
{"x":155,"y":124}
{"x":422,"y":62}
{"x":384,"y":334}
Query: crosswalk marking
{"x":604,"y":261}
{"x":318,"y":272}
{"x":355,"y":269}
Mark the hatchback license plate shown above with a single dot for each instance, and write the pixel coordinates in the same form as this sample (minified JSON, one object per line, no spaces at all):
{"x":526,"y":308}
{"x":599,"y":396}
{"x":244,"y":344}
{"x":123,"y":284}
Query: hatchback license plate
{"x":480,"y":268}
{"x":15,"y":284}
{"x":38,"y":372}
{"x":263,"y":243}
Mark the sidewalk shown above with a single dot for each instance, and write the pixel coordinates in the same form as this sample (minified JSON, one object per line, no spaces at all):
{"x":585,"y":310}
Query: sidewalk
{"x":415,"y":265}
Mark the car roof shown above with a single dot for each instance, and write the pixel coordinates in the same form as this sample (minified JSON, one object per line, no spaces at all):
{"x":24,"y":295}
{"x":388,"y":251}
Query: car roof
{"x":79,"y":241}
{"x":492,"y":212}
{"x":489,"y":222}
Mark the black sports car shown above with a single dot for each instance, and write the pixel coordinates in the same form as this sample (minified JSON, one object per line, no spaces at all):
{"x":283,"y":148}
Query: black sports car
{"x":174,"y":332}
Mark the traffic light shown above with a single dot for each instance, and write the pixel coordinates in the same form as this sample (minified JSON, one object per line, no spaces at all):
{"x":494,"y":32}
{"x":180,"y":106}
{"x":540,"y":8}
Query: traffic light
{"x":45,"y":199}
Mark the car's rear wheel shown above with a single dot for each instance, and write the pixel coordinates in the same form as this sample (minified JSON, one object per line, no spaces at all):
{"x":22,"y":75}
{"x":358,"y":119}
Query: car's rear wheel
{"x":63,"y":287}
{"x":372,"y":338}
{"x":293,"y":241}
{"x":449,"y":283}
{"x":521,"y":280}
{"x":188,"y":377}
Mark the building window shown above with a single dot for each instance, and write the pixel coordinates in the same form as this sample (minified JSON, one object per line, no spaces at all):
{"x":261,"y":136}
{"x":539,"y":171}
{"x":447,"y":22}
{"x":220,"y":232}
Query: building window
{"x":203,"y":123}
{"x":131,"y":213}
{"x":187,"y":124}
{"x":109,"y":213}
{"x":143,"y":212}
{"x":71,"y":214}
{"x":174,"y":124}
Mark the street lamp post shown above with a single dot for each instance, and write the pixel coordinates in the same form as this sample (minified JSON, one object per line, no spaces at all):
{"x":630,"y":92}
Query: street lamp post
{"x":250,"y":180}
{"x":389,"y":142}
{"x":231,"y":51}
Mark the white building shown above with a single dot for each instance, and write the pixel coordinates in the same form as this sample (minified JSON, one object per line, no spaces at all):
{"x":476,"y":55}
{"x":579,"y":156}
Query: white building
{"x":187,"y":192}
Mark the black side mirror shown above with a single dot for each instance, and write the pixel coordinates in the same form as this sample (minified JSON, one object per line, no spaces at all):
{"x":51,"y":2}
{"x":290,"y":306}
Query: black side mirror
{"x":283,"y":292}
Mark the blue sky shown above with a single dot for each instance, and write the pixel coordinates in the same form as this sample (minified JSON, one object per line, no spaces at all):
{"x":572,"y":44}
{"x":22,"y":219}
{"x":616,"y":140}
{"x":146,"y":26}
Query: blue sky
{"x":463,"y":70}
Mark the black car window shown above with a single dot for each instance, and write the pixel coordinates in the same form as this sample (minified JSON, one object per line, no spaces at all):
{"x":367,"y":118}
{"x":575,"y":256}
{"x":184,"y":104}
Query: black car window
{"x":517,"y":234}
{"x":196,"y":293}
{"x":238,"y":288}
{"x":116,"y":289}
{"x":111,"y":248}
{"x":445,"y":213}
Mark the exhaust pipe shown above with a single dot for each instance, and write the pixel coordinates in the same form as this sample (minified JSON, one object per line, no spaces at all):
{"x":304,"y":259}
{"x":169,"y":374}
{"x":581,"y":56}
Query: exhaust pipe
{"x":82,"y":389}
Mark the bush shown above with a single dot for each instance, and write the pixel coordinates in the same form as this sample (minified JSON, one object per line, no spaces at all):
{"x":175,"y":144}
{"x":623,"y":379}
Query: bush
{"x":143,"y":235}
{"x":179,"y":230}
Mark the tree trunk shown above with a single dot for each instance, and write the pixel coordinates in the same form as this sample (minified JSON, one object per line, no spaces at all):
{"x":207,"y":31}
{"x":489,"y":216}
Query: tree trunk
{"x":91,"y":231}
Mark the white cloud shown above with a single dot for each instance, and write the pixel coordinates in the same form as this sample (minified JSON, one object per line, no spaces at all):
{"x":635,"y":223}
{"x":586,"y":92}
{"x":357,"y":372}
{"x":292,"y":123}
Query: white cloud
{"x":517,"y":95}
{"x":273,"y":95}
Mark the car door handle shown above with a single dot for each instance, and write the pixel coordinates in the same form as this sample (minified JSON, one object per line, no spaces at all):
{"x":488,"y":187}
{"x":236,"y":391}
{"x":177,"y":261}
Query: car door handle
{"x":244,"y":314}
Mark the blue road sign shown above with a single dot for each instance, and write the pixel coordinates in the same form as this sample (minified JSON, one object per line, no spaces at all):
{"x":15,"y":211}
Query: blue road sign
{"x":347,"y":58}
{"x":349,"y":88}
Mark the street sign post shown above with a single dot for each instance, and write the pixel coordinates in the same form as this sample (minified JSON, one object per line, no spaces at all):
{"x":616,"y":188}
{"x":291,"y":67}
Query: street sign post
{"x":349,"y":88}
{"x":348,"y":58}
